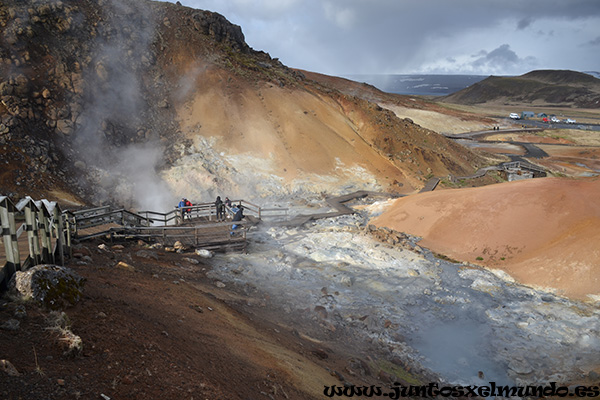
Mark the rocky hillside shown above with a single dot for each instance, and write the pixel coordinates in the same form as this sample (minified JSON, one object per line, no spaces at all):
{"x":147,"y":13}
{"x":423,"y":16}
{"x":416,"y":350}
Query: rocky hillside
{"x":548,"y":87}
{"x":139,"y":102}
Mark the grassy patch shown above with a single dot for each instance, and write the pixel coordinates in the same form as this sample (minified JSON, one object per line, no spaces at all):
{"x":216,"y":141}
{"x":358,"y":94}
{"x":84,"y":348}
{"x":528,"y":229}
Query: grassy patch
{"x":445,"y":258}
{"x":399,"y":372}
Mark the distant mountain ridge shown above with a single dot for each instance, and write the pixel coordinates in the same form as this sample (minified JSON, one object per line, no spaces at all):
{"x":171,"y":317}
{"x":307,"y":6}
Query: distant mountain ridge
{"x":542,"y":87}
{"x":595,"y":74}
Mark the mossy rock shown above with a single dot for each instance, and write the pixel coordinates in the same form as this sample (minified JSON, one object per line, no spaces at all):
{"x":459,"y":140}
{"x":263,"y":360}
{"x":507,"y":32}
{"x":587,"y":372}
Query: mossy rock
{"x":52,"y":286}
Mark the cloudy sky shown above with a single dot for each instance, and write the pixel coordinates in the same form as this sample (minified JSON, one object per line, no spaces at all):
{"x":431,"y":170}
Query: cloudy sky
{"x":342,"y":37}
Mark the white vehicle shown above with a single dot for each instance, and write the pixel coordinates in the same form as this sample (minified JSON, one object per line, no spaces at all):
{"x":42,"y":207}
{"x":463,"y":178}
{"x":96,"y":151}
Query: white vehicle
{"x":555,"y":120}
{"x":514,"y":116}
{"x":570,"y":121}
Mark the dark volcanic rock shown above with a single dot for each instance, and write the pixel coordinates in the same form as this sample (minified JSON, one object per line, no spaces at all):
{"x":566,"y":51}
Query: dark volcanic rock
{"x":52,"y":286}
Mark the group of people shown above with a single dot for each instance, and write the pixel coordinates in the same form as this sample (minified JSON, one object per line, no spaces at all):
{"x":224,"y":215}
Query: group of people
{"x":222,"y":207}
{"x":235,"y":211}
{"x":183,"y":206}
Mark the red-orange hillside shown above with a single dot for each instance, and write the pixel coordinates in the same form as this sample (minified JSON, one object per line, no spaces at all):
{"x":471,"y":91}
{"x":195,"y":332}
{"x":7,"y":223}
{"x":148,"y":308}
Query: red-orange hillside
{"x":543,"y":232}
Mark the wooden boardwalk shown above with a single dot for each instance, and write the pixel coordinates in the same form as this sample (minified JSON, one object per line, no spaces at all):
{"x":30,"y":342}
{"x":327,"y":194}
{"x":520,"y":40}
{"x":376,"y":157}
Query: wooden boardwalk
{"x":430,"y":185}
{"x":199,"y":230}
{"x":335,"y":202}
{"x":214,"y":236}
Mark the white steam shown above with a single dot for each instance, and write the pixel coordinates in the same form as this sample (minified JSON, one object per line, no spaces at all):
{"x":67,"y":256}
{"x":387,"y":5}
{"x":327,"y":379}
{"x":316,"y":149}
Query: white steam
{"x":114,"y":136}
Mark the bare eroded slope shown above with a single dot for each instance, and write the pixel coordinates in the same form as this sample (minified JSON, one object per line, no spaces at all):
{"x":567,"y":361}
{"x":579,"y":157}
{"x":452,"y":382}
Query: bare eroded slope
{"x":543,"y":232}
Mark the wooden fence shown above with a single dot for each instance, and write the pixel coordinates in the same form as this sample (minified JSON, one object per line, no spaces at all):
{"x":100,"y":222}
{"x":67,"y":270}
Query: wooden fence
{"x":47,"y":236}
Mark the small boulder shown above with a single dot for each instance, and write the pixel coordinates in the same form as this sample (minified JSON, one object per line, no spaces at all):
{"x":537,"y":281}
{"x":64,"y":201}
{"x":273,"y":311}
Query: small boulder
{"x":9,"y":369}
{"x":147,"y":254}
{"x":124,"y":265}
{"x":11,"y":325}
{"x":65,"y":127}
{"x":52,"y":286}
{"x":204,"y":253}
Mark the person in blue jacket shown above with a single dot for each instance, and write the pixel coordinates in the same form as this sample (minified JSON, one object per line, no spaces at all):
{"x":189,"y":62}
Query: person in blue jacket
{"x":182,"y":207}
{"x":239,"y":215}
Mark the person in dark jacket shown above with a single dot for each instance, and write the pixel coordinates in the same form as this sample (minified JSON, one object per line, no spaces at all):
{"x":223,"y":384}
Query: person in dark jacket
{"x":220,"y":209}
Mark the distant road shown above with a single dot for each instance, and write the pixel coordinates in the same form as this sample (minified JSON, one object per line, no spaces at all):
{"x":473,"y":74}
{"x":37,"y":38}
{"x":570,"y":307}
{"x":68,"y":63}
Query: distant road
{"x":560,"y":125}
{"x":531,"y":150}
{"x":481,"y":134}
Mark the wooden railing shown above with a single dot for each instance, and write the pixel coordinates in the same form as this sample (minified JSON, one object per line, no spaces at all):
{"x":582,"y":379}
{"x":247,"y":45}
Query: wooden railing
{"x":49,"y":231}
{"x":213,"y":236}
{"x":47,"y":234}
{"x":166,"y":226}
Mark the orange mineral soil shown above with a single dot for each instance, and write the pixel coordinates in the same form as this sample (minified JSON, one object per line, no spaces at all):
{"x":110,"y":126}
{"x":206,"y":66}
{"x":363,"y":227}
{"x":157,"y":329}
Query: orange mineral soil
{"x":543,"y":232}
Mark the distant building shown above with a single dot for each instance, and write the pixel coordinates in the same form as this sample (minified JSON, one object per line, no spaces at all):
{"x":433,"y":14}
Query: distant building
{"x":517,"y":174}
{"x":542,"y":115}
{"x":527,"y":114}
{"x":516,"y":170}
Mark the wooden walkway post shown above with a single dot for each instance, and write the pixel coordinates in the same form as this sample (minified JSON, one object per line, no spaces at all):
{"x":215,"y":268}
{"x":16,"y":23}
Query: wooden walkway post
{"x":60,"y":234}
{"x":9,"y":235}
{"x":33,"y":232}
{"x":67,"y":220}
{"x":45,"y":231}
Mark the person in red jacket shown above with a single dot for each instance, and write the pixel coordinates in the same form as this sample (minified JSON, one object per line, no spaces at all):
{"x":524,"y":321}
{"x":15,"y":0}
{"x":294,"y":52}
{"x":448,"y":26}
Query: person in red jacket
{"x":188,"y":210}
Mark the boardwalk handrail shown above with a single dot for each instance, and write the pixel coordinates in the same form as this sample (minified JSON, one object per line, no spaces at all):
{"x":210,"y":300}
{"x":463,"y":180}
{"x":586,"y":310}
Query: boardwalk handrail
{"x":93,"y":211}
{"x":274,"y":212}
{"x":118,"y":216}
{"x":519,"y":164}
{"x":48,"y":235}
{"x":213,"y":236}
{"x":164,"y":226}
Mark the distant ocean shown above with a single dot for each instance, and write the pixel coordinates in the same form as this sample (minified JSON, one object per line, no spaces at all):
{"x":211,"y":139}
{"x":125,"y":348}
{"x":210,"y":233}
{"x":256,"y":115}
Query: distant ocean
{"x":424,"y":85}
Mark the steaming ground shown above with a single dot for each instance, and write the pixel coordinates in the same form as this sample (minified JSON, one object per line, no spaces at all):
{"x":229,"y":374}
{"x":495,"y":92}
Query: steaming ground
{"x":205,"y":172}
{"x":454,"y":320}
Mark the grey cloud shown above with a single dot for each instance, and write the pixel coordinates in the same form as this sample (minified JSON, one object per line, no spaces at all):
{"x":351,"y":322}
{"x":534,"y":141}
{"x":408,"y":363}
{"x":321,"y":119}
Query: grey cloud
{"x":502,"y":54}
{"x":387,"y":36}
{"x":480,"y":53}
{"x":594,"y":42}
{"x":500,"y":59}
{"x":524,"y":23}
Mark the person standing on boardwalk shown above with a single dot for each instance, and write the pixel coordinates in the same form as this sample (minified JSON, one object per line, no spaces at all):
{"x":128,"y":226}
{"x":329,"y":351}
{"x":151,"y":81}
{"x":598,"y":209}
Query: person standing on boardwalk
{"x":239,"y":215}
{"x":181,"y":207}
{"x":220,"y":209}
{"x":188,"y":211}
